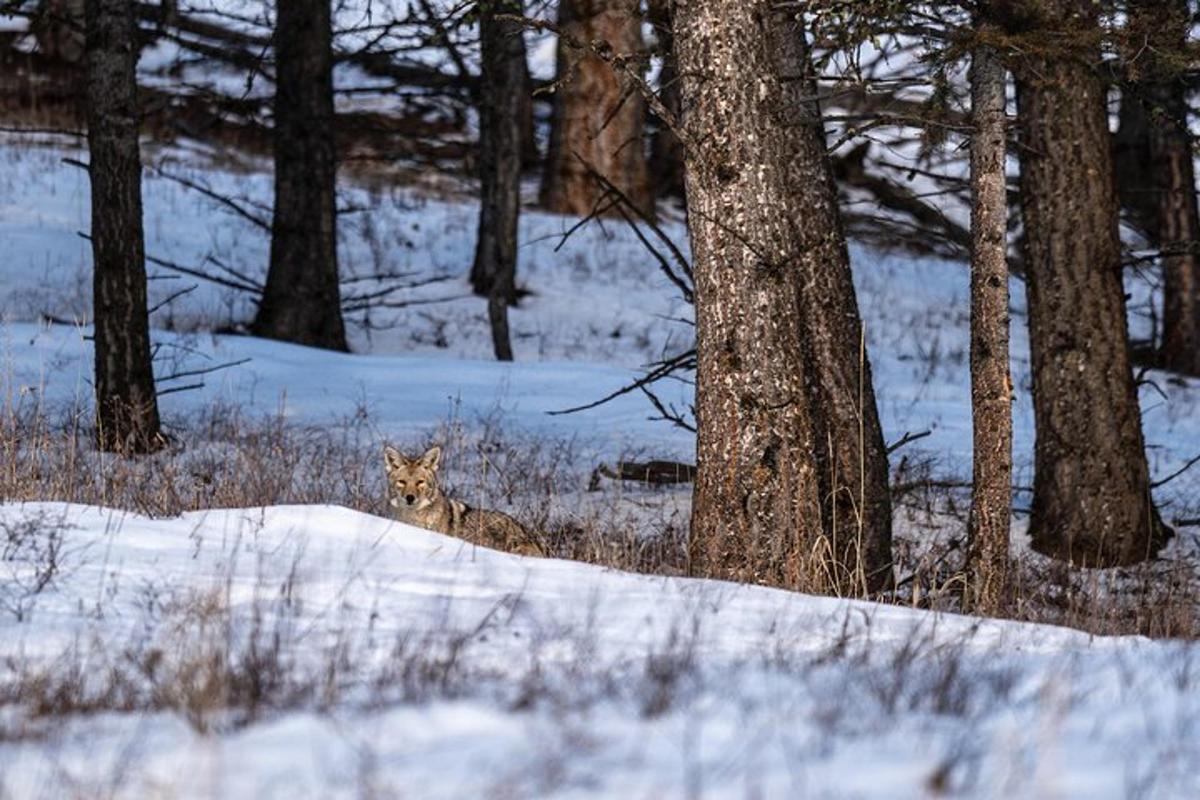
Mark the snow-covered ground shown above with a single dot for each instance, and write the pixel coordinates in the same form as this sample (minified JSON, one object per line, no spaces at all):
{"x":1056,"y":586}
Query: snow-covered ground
{"x":391,"y":661}
{"x":598,"y":302}
{"x":363,"y":658}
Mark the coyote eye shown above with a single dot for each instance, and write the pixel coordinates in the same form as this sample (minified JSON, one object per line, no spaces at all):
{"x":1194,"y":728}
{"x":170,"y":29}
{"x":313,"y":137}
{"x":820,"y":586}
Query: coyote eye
{"x":400,"y":484}
{"x":420,"y":484}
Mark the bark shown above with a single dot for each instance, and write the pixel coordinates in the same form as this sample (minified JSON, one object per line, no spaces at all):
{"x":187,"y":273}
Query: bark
{"x":666,"y":152}
{"x":791,"y":480}
{"x":126,"y":405}
{"x":502,"y":86}
{"x":1160,"y":31}
{"x":1134,"y":165}
{"x":597,"y":115}
{"x":991,"y":387}
{"x":301,"y":300}
{"x":531,"y":157}
{"x":1092,"y":503}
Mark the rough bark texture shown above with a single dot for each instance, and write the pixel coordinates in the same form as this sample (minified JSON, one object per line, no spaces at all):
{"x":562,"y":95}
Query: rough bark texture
{"x":1092,"y":500}
{"x":666,"y":152}
{"x":126,"y":405}
{"x":597,"y":115}
{"x":791,"y":482}
{"x":1159,"y":30}
{"x":301,"y":301}
{"x":991,"y":387}
{"x":501,"y":87}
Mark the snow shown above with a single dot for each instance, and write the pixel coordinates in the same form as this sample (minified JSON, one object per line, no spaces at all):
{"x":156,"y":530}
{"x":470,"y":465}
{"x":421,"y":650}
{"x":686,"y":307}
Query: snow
{"x":778,"y":694}
{"x":417,"y":665}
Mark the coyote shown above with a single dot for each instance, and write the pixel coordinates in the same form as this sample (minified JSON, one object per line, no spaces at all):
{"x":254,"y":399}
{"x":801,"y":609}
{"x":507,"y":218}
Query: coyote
{"x":416,"y":498}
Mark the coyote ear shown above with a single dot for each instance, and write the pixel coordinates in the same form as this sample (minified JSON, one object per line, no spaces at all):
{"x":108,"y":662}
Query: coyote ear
{"x":432,"y":457}
{"x":392,"y":459}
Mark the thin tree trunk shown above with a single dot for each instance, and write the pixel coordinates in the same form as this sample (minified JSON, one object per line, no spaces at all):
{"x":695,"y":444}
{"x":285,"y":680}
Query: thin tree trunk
{"x":1091,"y":503}
{"x":991,"y":387}
{"x":597,"y":116}
{"x":1160,"y":29}
{"x":126,"y":404}
{"x":1135,"y":171}
{"x":791,"y":482}
{"x":666,"y":152}
{"x":301,"y":301}
{"x":531,"y":158}
{"x":494,"y":270}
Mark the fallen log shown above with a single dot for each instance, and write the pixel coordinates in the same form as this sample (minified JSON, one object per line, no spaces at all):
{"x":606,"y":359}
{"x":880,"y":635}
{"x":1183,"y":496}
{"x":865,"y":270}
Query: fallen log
{"x":657,"y":473}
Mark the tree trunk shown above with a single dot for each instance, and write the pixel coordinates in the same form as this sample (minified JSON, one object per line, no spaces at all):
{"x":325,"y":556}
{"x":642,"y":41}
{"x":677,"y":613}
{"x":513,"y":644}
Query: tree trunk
{"x":126,"y":403}
{"x":791,"y":482}
{"x":531,"y":158}
{"x":1092,"y":503}
{"x":301,"y":301}
{"x":666,"y":153}
{"x":991,"y":387}
{"x":501,"y":87}
{"x":597,"y":116}
{"x":1160,"y":31}
{"x":1134,"y":168}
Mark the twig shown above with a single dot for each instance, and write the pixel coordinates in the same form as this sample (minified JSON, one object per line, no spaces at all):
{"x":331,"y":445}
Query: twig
{"x":229,"y":203}
{"x":1176,"y":473}
{"x":195,"y":273}
{"x":666,"y":415}
{"x":187,"y":373}
{"x":953,"y":545}
{"x":241,"y":276}
{"x":907,"y":438}
{"x":682,"y":361}
{"x":620,"y":64}
{"x":172,"y":297}
{"x":185,"y":388}
{"x":623,"y":207}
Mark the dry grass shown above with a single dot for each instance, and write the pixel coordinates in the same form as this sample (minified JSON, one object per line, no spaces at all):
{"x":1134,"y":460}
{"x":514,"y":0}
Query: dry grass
{"x":1159,"y":599}
{"x":221,"y":458}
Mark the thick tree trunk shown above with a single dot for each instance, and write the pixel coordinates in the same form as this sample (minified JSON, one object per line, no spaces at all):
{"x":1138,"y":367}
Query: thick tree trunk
{"x":1092,"y":503}
{"x":791,"y":482}
{"x":126,"y":404}
{"x":301,"y":301}
{"x":597,"y":116}
{"x":1160,"y":30}
{"x":494,"y":271}
{"x":991,"y":387}
{"x":666,"y":152}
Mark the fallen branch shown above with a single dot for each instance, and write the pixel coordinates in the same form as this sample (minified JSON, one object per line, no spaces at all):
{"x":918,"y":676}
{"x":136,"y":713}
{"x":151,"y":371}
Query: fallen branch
{"x":657,"y":472}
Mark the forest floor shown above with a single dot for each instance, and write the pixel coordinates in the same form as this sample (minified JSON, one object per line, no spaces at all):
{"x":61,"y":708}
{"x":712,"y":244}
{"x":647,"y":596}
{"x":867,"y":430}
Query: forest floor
{"x":234,"y":617}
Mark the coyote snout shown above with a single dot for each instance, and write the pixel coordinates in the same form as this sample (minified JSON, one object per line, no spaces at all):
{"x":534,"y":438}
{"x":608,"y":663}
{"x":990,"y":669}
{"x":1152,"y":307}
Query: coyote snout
{"x":416,"y":498}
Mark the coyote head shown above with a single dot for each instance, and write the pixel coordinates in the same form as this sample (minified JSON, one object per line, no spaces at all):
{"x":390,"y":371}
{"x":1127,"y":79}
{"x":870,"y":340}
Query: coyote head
{"x":412,"y":482}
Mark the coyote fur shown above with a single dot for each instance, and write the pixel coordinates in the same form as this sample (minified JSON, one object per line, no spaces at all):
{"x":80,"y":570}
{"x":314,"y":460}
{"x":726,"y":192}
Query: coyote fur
{"x":415,"y":498}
